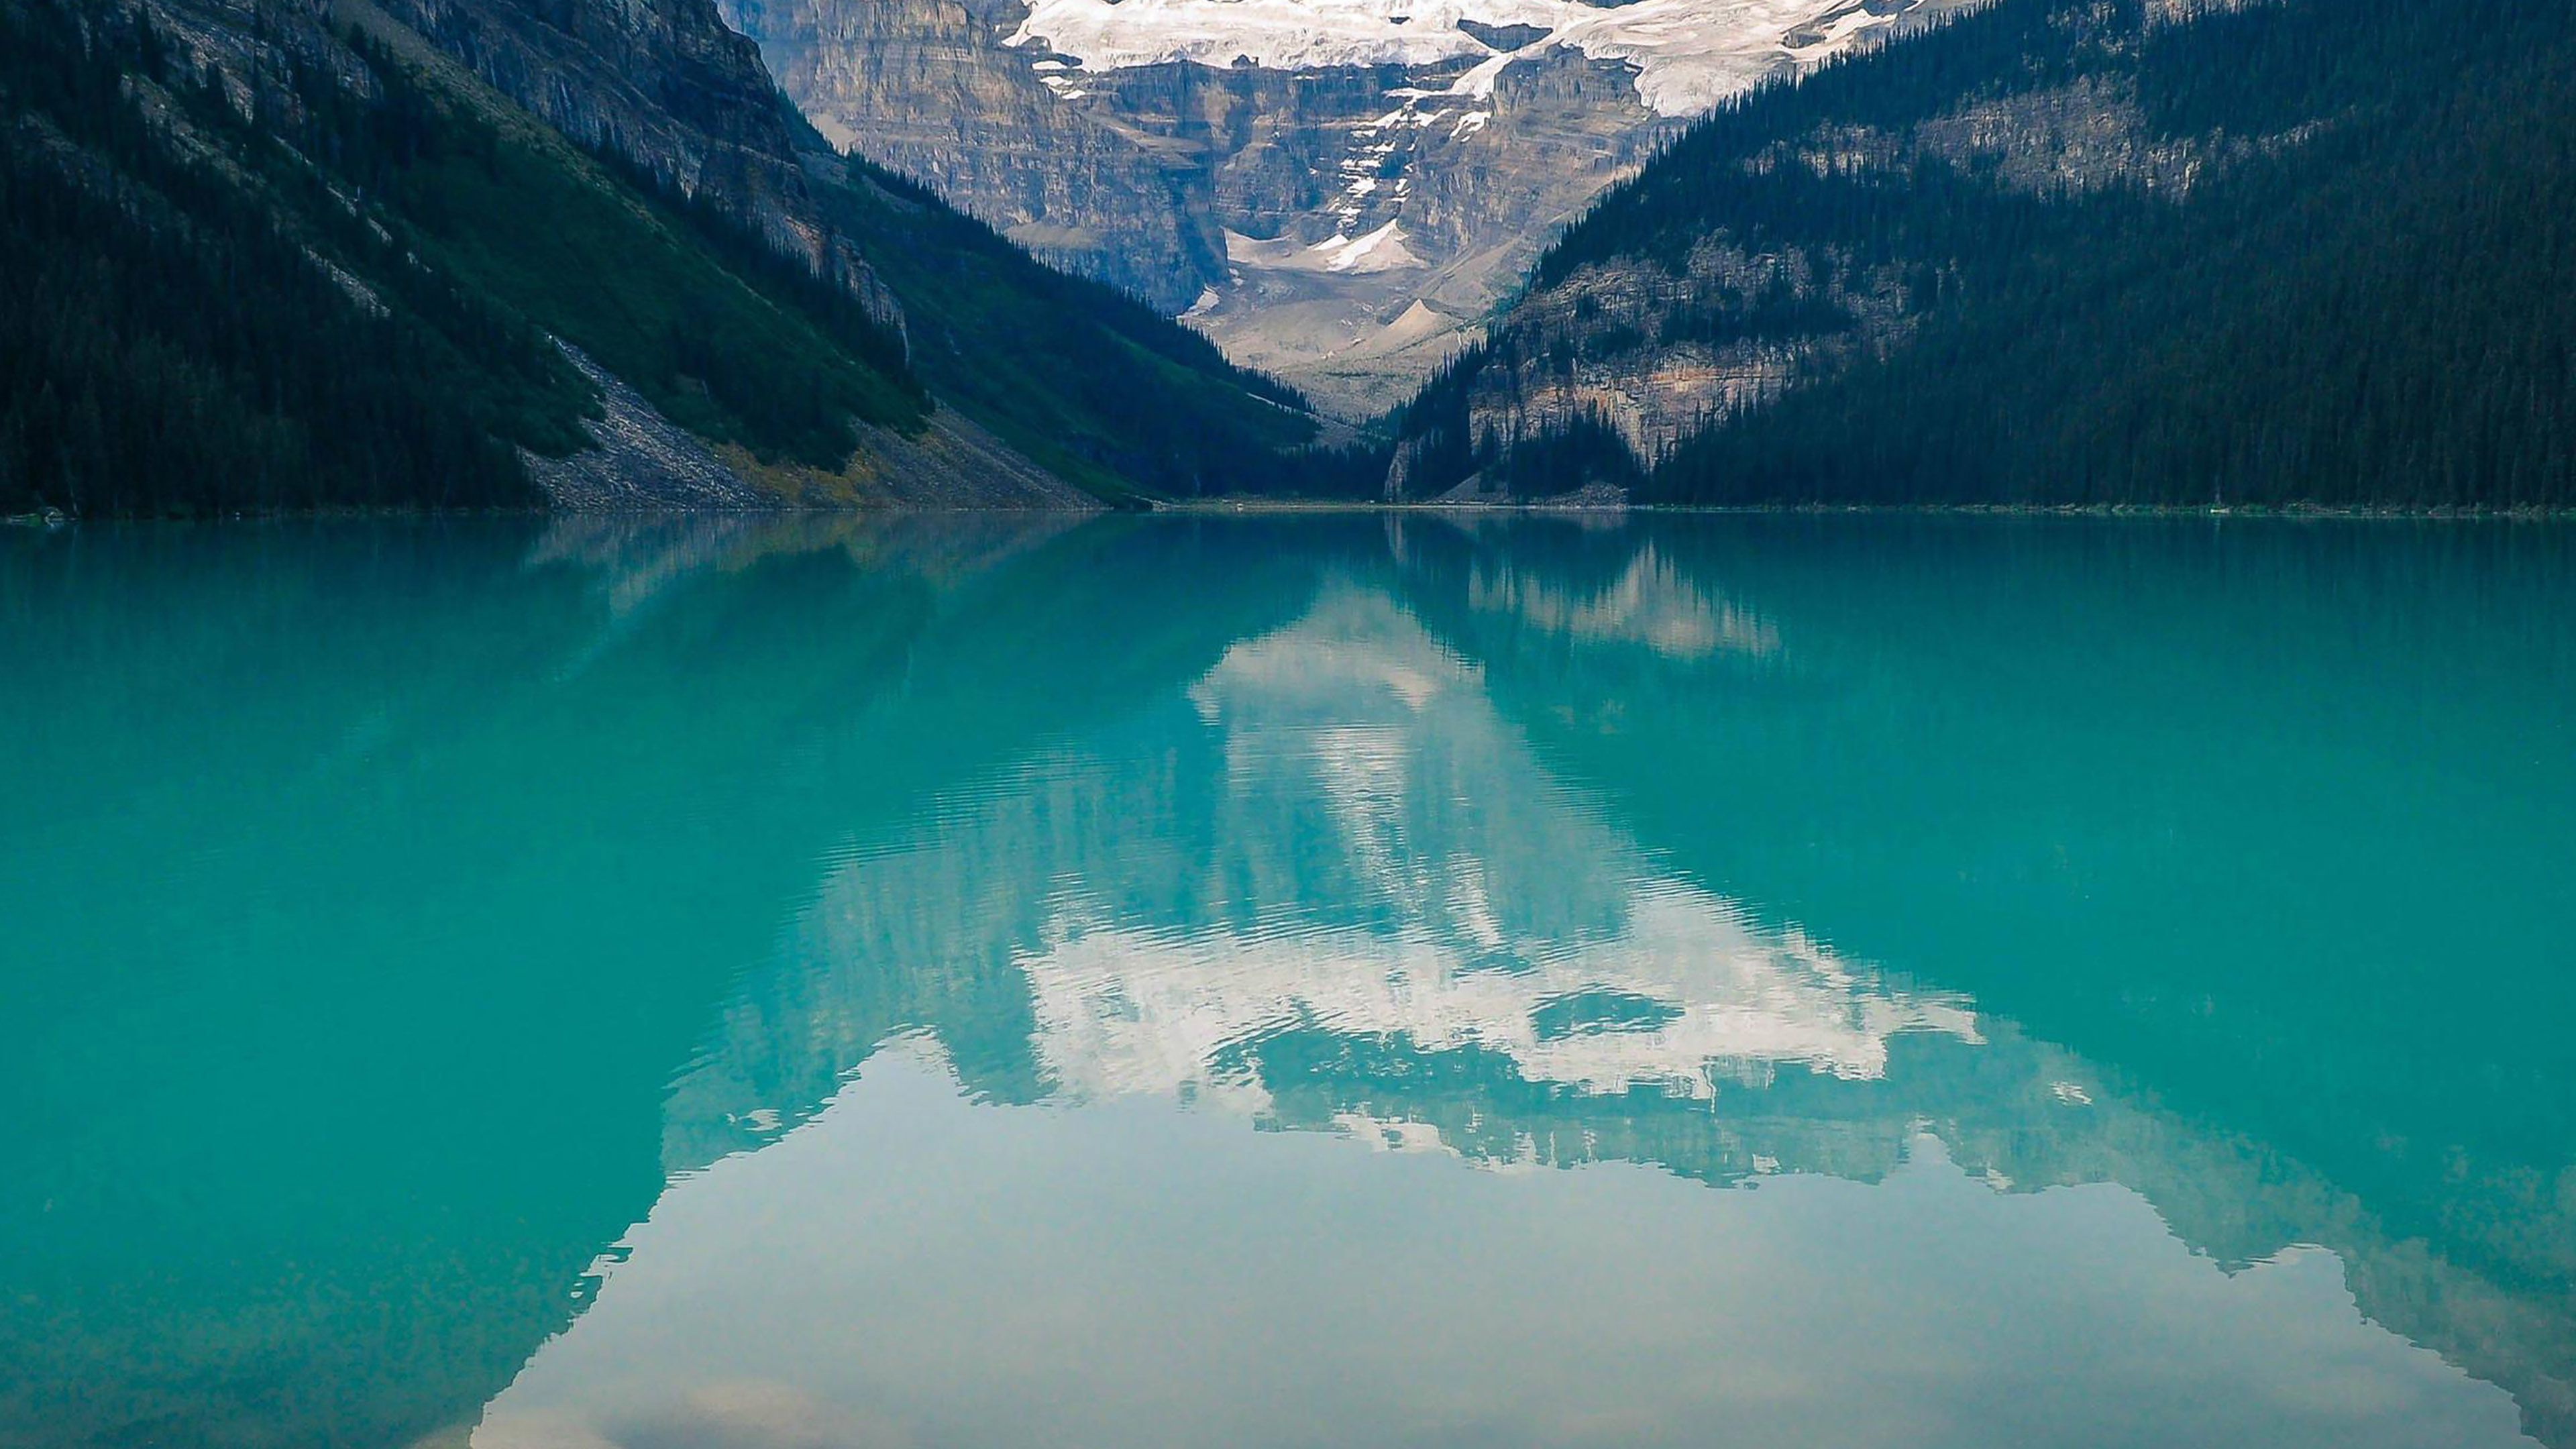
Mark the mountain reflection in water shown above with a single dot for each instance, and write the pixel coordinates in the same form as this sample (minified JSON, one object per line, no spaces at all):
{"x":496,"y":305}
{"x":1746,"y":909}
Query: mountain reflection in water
{"x":927,"y":981}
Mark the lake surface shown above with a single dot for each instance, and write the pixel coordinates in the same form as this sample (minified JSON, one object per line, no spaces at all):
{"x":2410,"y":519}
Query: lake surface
{"x":809,"y":984}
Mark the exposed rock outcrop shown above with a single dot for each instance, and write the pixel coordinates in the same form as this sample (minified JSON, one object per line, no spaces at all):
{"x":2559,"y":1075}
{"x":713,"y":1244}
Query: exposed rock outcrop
{"x":665,"y":85}
{"x":642,"y":461}
{"x":1335,"y":196}
{"x":1657,"y":339}
{"x":923,"y":87}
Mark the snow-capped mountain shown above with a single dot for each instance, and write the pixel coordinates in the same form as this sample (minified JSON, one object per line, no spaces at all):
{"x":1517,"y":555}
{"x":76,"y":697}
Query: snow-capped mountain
{"x":1333,"y":189}
{"x":1687,"y":54}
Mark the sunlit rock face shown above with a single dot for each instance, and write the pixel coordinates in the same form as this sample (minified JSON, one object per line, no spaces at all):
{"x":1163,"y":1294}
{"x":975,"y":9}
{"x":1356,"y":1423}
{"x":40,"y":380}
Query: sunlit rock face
{"x":1333,"y":189}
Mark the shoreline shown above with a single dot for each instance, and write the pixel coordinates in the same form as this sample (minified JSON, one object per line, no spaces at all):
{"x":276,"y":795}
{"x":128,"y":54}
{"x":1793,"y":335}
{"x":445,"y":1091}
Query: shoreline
{"x":2533,"y":514}
{"x":50,"y":520}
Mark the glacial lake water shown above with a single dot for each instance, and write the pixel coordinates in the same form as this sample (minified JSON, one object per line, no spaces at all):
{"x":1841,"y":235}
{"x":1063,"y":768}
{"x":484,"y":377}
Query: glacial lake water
{"x":1313,"y":981}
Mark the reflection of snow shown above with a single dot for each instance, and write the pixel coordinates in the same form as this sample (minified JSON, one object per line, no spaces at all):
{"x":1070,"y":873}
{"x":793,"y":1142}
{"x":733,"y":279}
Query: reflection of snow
{"x":1649,"y":604}
{"x":1386,"y":732}
{"x":1122,"y":1010}
{"x":1362,"y":846}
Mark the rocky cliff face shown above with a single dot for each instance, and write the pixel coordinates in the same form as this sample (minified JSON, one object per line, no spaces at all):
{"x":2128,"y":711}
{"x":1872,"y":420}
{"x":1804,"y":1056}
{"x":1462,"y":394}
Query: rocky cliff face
{"x":920,"y":86}
{"x":661,"y":83}
{"x":1336,"y":194}
{"x":1426,"y":212}
{"x":666,"y":85}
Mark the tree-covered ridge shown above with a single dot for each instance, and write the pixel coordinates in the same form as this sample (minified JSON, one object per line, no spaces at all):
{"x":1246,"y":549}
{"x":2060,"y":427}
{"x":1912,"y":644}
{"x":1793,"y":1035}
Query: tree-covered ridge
{"x":1082,"y":377}
{"x":307,"y":265}
{"x":342,"y":293}
{"x":167,"y":344}
{"x":2072,"y":253}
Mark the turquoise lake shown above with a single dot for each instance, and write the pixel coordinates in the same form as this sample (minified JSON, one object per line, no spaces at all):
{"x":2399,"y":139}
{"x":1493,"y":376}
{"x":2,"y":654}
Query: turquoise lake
{"x":733,"y":983}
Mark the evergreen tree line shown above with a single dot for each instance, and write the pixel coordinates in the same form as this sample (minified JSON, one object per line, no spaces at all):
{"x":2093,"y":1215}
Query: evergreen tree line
{"x":1725,"y":171}
{"x":797,"y":409}
{"x":167,"y":348}
{"x":2376,"y":315}
{"x":2370,"y":311}
{"x":1080,"y":375}
{"x":350,"y":306}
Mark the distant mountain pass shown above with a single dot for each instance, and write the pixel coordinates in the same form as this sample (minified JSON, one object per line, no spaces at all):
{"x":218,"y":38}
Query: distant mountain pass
{"x":1225,"y":158}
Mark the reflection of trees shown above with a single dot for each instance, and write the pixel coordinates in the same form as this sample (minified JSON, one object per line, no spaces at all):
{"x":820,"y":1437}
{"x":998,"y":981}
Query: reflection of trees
{"x":316,"y":1118}
{"x":2250,"y":817}
{"x":1535,"y":842}
{"x":1343,"y":883}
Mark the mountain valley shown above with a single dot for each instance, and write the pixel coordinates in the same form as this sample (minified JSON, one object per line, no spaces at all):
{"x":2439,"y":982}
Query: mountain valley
{"x":442,"y":254}
{"x":1337,"y":192}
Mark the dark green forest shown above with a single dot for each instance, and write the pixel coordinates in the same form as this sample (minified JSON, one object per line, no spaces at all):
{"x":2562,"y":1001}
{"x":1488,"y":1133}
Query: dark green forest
{"x":1082,"y":377}
{"x":2361,"y":303}
{"x":167,"y":347}
{"x":343,"y":298}
{"x":341,"y":295}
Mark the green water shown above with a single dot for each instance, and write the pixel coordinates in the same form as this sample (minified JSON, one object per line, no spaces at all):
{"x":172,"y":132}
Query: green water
{"x":1318,"y":981}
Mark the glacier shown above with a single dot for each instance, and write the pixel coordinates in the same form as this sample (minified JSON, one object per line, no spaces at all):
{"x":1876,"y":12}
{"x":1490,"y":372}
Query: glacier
{"x":1687,"y":55}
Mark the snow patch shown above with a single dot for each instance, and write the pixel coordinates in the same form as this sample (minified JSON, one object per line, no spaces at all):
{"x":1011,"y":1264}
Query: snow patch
{"x":1688,"y":54}
{"x":1382,"y":250}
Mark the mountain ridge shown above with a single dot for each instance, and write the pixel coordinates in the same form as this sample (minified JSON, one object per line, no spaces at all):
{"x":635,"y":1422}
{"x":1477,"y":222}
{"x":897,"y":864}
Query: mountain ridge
{"x":1222,"y":160}
{"x":2284,"y":254}
{"x":503,"y":261}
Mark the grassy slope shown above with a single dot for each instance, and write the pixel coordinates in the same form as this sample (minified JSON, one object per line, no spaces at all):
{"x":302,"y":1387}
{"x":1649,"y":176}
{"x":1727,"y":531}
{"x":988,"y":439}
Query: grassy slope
{"x":630,"y":280}
{"x":1082,"y":379}
{"x":542,"y":219}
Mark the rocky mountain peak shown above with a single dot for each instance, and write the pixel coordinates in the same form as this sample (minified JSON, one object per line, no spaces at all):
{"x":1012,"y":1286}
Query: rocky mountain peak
{"x":1334,"y":190}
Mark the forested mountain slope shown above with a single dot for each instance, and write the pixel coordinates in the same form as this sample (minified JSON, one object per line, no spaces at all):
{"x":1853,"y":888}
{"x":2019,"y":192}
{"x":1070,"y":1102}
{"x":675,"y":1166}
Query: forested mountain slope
{"x":2311,"y":252}
{"x":296,"y":255}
